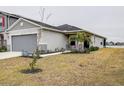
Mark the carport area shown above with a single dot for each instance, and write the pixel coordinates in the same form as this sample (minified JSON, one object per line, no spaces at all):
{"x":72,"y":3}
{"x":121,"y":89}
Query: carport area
{"x":5,"y":55}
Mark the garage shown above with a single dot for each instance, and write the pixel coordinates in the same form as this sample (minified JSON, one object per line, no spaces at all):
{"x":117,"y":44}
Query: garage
{"x":24,"y":42}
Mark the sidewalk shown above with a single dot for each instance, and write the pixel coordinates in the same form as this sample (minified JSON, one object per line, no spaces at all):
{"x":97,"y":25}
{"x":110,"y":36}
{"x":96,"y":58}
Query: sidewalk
{"x":5,"y":55}
{"x":45,"y":55}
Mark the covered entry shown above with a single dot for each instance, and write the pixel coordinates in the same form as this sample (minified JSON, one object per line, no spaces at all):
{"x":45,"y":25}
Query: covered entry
{"x":24,"y":43}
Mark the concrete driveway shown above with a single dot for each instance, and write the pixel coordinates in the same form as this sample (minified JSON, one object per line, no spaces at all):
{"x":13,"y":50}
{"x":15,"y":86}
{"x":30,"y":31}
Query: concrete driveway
{"x":5,"y":55}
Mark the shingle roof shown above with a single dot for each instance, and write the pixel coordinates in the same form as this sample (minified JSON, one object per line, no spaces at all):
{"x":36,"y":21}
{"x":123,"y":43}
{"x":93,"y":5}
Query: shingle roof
{"x":35,"y":21}
{"x":61,"y":27}
{"x":44,"y":24}
{"x":68,"y":27}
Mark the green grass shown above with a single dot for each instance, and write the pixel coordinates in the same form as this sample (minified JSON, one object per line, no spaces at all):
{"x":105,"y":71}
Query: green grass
{"x":103,"y":67}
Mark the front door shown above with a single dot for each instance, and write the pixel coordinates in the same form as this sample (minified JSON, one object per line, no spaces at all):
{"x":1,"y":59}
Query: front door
{"x":86,"y":44}
{"x":73,"y":44}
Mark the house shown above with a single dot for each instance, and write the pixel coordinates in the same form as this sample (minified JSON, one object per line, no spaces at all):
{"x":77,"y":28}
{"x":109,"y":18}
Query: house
{"x":119,"y":43}
{"x":111,"y":43}
{"x":26,"y":34}
{"x":6,"y":20}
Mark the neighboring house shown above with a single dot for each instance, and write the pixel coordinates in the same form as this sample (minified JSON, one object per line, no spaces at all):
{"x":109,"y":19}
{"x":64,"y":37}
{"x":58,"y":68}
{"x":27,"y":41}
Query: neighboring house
{"x":119,"y":43}
{"x":6,"y":20}
{"x":26,"y":35}
{"x":111,"y":43}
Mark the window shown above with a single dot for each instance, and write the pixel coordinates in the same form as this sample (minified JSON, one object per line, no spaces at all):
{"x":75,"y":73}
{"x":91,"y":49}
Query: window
{"x":72,"y":43}
{"x":101,"y":43}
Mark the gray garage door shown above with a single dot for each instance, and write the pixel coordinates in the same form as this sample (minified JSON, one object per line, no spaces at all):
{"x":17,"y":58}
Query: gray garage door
{"x":24,"y":43}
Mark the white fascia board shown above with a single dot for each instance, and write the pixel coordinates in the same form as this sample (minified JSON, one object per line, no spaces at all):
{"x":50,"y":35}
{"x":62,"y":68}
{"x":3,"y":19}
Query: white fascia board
{"x":55,"y":30}
{"x":42,"y":27}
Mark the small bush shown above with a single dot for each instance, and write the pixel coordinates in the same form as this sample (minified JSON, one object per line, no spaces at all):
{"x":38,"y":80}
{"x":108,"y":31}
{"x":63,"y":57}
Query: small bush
{"x":57,"y":50}
{"x":3,"y":49}
{"x":62,"y":50}
{"x":93,"y":48}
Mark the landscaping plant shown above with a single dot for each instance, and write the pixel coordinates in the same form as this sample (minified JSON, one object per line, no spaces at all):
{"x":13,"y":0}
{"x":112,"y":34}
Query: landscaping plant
{"x":37,"y":53}
{"x":80,"y":37}
{"x":35,"y":56}
{"x":93,"y":48}
{"x":3,"y":49}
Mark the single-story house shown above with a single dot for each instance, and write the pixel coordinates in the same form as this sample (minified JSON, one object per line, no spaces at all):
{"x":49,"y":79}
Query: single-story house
{"x":27,"y":35}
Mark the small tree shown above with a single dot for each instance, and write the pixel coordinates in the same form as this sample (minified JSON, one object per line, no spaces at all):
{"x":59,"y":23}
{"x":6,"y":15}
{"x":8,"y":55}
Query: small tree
{"x":82,"y":37}
{"x":35,"y":56}
{"x":37,"y":53}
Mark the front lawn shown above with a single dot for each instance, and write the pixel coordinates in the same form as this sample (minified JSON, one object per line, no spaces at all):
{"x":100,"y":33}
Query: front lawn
{"x":103,"y":67}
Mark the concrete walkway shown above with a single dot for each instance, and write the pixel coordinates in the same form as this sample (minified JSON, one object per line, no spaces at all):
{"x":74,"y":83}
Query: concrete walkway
{"x":45,"y":55}
{"x":5,"y":55}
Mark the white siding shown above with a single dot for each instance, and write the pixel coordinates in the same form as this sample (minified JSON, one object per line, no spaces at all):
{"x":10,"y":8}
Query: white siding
{"x":53,"y":40}
{"x":97,"y":41}
{"x":23,"y":25}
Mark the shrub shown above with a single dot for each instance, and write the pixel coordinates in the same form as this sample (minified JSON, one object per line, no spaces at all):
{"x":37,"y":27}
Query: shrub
{"x":3,"y":49}
{"x":93,"y":48}
{"x":62,"y":50}
{"x":57,"y":50}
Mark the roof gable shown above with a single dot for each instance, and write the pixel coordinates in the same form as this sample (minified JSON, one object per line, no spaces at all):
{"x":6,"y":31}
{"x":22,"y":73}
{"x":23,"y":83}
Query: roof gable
{"x":23,"y":24}
{"x":32,"y":20}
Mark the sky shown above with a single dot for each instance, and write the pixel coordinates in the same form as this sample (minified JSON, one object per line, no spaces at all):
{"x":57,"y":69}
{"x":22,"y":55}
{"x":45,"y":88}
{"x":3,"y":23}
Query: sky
{"x":107,"y":21}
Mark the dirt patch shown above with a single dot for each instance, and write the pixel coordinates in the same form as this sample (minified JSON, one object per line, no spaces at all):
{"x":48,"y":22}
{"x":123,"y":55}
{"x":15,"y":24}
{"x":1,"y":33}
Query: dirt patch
{"x":29,"y":71}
